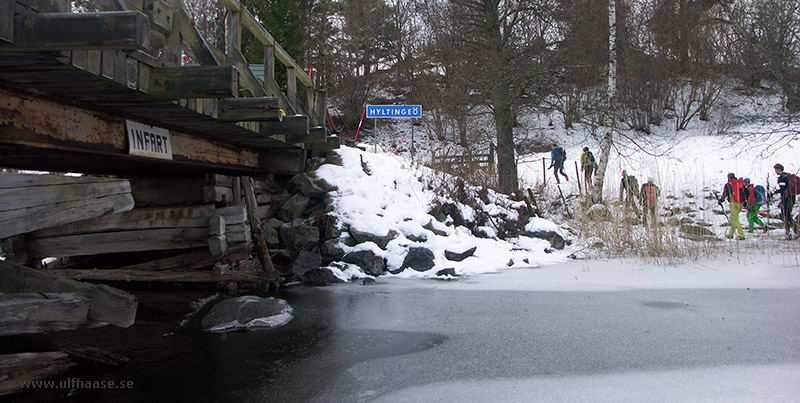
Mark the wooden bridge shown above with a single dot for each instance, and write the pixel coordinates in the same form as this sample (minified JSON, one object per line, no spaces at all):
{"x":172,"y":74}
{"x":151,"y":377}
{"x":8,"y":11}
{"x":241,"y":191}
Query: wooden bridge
{"x":181,"y":165}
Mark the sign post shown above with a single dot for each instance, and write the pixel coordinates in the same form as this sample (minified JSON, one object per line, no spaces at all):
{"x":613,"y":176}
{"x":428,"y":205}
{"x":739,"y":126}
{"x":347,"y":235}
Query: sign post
{"x":393,"y":112}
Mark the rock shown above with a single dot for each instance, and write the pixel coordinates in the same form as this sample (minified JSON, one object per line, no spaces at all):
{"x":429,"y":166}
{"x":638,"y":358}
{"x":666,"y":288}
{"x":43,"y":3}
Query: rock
{"x":419,"y":259}
{"x":368,"y":281}
{"x":696,"y":230}
{"x":304,"y":262}
{"x":369,"y":262}
{"x":294,"y":207}
{"x":447,"y":272}
{"x":270,"y":228}
{"x":380,"y":240}
{"x":330,"y":250}
{"x":687,"y":220}
{"x":310,"y":186}
{"x":430,"y":227}
{"x":598,"y":212}
{"x":298,"y":235}
{"x":556,"y":240}
{"x":673,"y":222}
{"x":457,"y":257}
{"x":417,"y":238}
{"x":319,"y":277}
{"x":247,"y":312}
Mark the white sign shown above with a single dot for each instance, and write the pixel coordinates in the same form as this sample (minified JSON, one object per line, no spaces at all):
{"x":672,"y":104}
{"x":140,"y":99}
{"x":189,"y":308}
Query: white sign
{"x":148,"y":141}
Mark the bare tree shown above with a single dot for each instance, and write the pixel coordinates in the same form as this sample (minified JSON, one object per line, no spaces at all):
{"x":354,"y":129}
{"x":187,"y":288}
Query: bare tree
{"x":596,"y":193}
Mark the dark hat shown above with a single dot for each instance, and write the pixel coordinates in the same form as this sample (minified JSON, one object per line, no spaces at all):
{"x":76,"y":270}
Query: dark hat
{"x":778,"y":166}
{"x":585,"y":148}
{"x":747,"y":180}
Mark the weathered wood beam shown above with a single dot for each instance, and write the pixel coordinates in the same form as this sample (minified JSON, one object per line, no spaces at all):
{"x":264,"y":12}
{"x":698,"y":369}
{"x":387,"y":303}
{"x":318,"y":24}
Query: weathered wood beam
{"x":7,"y":21}
{"x":297,"y":124}
{"x":120,"y":241}
{"x":315,"y":135}
{"x":285,"y":161}
{"x":29,"y":219}
{"x":193,"y":82}
{"x":144,"y":218}
{"x":26,"y":313}
{"x":330,"y":143}
{"x":11,"y":199}
{"x":259,"y":109}
{"x":81,"y":31}
{"x":18,"y":370}
{"x":160,"y":14}
{"x":107,"y":304}
{"x":203,"y":276}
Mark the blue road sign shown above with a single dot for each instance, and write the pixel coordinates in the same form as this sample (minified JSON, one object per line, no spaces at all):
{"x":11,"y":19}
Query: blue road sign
{"x":394,"y":111}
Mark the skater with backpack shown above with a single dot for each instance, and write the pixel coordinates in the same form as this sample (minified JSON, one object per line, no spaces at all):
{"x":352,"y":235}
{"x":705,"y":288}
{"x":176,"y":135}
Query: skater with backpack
{"x":649,"y":195}
{"x":734,"y":193}
{"x":557,"y":158}
{"x":756,"y":197}
{"x":630,"y":187}
{"x":788,"y":188}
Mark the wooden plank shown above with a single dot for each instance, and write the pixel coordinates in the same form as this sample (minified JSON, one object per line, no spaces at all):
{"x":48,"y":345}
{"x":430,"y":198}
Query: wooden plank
{"x":14,"y":180}
{"x":82,"y":31}
{"x":25,"y":220}
{"x":330,"y":143}
{"x":234,"y":214}
{"x":142,"y":218}
{"x":297,"y":124}
{"x":94,"y":61}
{"x":160,"y":14}
{"x":26,"y":313}
{"x":218,"y":245}
{"x":203,"y":276}
{"x":12,"y":199}
{"x":122,"y":241}
{"x":7,"y":21}
{"x":193,"y":82}
{"x":18,"y":371}
{"x":260,"y":109}
{"x":315,"y":135}
{"x":190,"y":260}
{"x":219,"y":180}
{"x":216,"y":225}
{"x":107,"y":304}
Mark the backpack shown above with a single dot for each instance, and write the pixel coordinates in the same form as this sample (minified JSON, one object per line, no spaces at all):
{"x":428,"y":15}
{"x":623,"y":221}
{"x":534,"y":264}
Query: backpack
{"x":794,"y":184}
{"x":558,"y":151}
{"x":761,"y":194}
{"x":650,"y":194}
{"x":737,"y":186}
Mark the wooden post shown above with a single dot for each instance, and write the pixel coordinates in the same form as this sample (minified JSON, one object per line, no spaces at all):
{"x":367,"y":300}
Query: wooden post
{"x":258,"y":234}
{"x":269,"y":64}
{"x":291,"y":85}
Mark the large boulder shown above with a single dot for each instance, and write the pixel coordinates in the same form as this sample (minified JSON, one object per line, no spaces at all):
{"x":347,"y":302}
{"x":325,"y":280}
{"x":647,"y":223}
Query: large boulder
{"x":299,"y":235}
{"x":247,"y":312}
{"x":367,"y":261}
{"x":294,"y":207}
{"x":310,"y":185}
{"x":378,"y":239}
{"x":304,"y":262}
{"x":419,"y":259}
{"x":270,"y":228}
{"x":556,"y":240}
{"x":319,"y":277}
{"x":459,"y":256}
{"x":330,"y":250}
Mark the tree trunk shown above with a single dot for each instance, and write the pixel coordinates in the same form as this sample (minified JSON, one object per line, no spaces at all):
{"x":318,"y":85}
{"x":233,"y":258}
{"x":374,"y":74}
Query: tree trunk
{"x":596,"y":195}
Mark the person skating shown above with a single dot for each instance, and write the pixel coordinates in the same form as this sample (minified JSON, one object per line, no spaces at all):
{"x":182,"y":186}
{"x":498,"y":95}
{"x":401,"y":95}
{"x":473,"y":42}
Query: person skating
{"x":649,"y":194}
{"x":557,"y":158}
{"x":754,"y":202}
{"x":787,"y":201}
{"x":630,"y":187}
{"x":734,"y":193}
{"x":588,"y":165}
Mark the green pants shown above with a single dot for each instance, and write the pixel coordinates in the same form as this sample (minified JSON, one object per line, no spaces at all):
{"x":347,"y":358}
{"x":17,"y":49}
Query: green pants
{"x":736,"y":208}
{"x":752,"y":217}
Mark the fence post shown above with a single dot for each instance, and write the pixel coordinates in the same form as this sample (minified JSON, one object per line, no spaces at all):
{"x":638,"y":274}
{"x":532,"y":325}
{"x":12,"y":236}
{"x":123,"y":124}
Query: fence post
{"x":544,"y":172}
{"x":578,"y":175}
